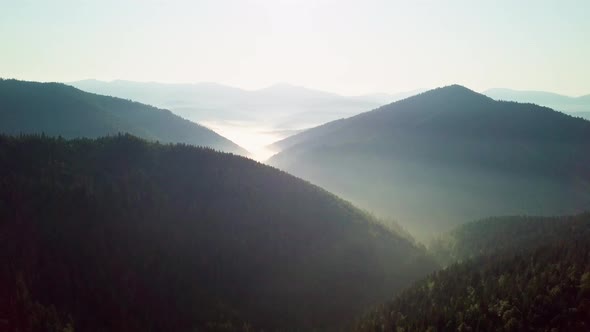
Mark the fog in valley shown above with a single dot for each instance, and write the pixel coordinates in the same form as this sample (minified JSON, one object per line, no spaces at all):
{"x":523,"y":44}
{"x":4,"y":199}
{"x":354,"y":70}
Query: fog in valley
{"x":294,"y":165}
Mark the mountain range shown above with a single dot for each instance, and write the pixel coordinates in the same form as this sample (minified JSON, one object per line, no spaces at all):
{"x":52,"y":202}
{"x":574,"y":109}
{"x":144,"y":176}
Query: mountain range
{"x":255,"y":118}
{"x":57,"y":109}
{"x":575,"y":106}
{"x":447,"y":156}
{"x":120,"y":234}
{"x":284,"y":106}
{"x":288,"y":106}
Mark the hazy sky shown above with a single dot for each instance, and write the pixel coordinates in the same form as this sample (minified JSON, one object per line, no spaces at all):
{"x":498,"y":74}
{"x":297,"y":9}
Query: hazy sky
{"x":350,"y":47}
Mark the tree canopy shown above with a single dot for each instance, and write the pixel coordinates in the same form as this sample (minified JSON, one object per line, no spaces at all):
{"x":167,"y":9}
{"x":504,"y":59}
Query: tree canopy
{"x":119,"y":234}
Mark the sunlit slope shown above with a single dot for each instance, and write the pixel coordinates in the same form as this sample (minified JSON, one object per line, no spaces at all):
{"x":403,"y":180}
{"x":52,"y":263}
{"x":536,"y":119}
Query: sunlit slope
{"x":508,"y":235}
{"x":514,"y":274}
{"x":448,"y":156}
{"x":118,"y":234}
{"x":546,"y":289}
{"x":60,"y":110}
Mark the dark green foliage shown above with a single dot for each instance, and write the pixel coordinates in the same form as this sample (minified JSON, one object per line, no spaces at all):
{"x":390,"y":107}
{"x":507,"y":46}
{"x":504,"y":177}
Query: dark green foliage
{"x":448,"y":156}
{"x":513,"y":274}
{"x":26,"y":314}
{"x":508,"y":235}
{"x":546,"y":290}
{"x":118,"y":234}
{"x":59,"y":110}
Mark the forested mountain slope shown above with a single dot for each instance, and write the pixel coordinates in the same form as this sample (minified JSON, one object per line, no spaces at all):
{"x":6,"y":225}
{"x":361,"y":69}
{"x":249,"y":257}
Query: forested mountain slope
{"x":504,"y":274}
{"x":509,"y":235}
{"x":60,"y":110}
{"x":448,"y":156}
{"x":118,"y":234}
{"x":547,"y":289}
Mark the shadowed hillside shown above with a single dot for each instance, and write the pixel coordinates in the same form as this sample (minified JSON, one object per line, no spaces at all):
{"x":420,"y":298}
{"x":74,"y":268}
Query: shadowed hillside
{"x":547,"y":289}
{"x":514,"y":274}
{"x":118,"y":234}
{"x":57,"y":109}
{"x":508,"y":235}
{"x":448,"y":156}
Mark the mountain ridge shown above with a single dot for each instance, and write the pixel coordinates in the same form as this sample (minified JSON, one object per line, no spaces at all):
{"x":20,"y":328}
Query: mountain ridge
{"x":277,"y":104}
{"x":449,"y":146}
{"x":143,"y":236}
{"x":59,"y":109}
{"x":560,"y":102}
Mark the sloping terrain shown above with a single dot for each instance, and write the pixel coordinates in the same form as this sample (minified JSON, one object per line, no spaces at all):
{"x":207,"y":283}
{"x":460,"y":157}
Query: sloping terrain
{"x":60,"y":110}
{"x":448,"y":156}
{"x":505,"y":235}
{"x":118,"y":234}
{"x":547,"y":289}
{"x":555,"y":101}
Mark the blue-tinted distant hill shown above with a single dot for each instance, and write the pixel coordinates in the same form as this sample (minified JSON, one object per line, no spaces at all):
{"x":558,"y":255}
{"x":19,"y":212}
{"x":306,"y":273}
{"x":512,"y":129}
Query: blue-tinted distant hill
{"x":279,"y":106}
{"x":448,"y":156}
{"x":247,"y":116}
{"x":575,"y":106}
{"x":60,"y":110}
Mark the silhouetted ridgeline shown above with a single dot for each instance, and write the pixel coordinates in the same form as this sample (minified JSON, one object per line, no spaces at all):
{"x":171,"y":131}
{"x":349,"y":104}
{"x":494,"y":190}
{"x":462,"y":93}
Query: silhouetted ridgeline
{"x":118,"y":234}
{"x":281,"y":106}
{"x":562,"y":103}
{"x":448,"y":156}
{"x":60,"y":110}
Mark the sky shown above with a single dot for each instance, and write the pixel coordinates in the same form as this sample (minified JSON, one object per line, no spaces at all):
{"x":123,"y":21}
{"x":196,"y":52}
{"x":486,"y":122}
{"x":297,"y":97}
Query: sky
{"x":347,"y":47}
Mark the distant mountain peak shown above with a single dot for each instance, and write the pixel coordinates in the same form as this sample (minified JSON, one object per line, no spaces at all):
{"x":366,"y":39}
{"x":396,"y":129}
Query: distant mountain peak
{"x":288,"y":89}
{"x":552,"y":100}
{"x":456,"y":89}
{"x":460,"y":154}
{"x":452,"y":93}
